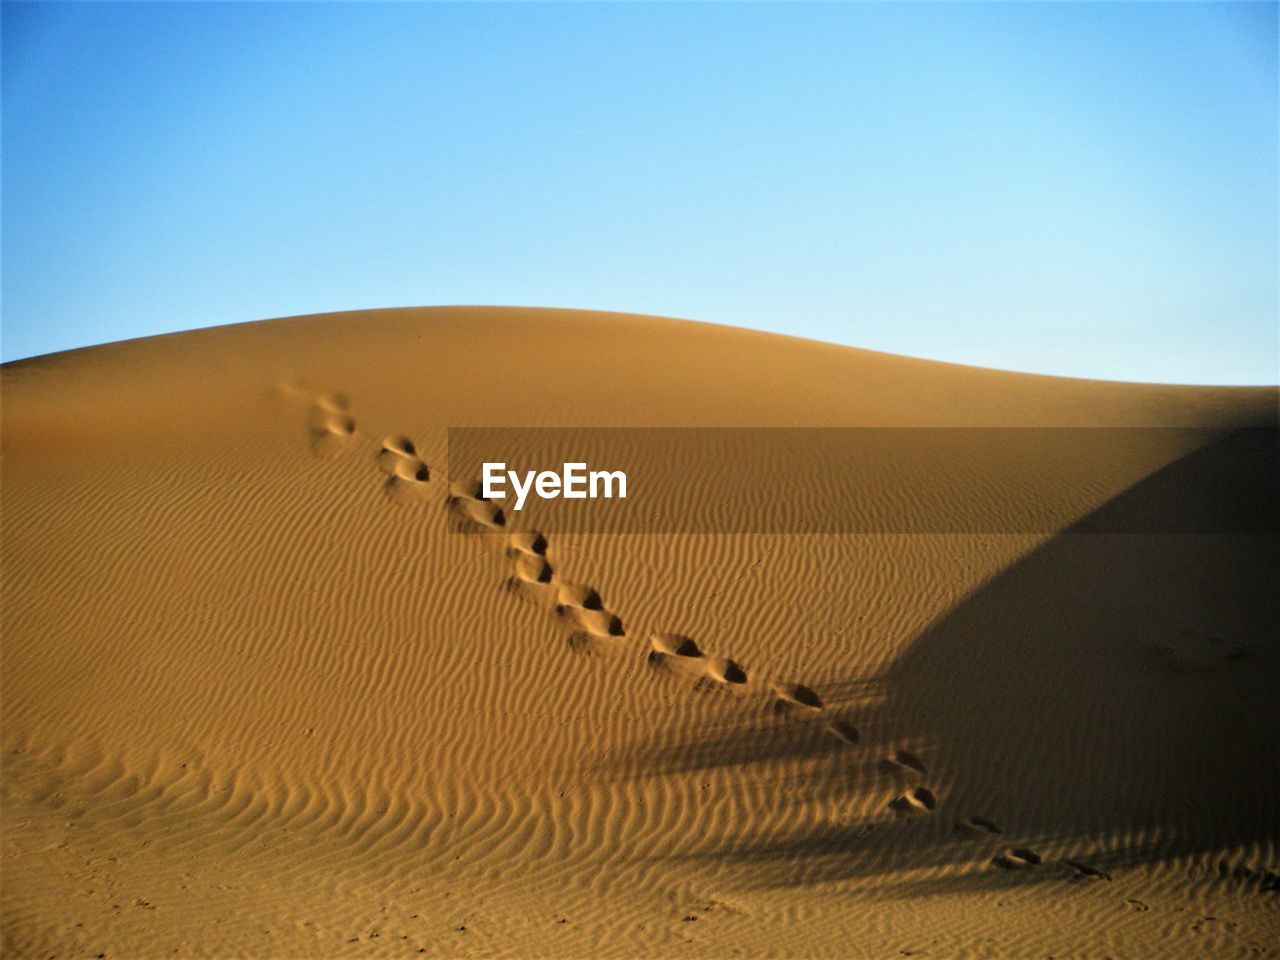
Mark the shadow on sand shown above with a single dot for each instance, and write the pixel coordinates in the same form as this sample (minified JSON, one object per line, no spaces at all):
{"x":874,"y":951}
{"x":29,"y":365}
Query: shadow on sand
{"x":1111,"y":698}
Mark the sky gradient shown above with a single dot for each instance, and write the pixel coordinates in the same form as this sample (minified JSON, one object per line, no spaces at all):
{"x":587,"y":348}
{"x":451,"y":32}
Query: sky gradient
{"x":1080,"y":189}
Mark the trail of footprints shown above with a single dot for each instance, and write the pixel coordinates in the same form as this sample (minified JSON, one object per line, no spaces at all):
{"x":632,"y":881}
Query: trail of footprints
{"x":582,"y":609}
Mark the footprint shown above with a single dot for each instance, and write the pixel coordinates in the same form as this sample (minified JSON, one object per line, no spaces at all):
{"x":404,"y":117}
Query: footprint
{"x":1199,"y":925}
{"x":918,"y":800}
{"x":843,"y":730}
{"x":409,"y":469}
{"x":468,"y":502}
{"x":528,"y":541}
{"x":674,"y":645}
{"x":337,"y":424}
{"x":399,"y":459}
{"x":901,"y":762}
{"x":598,"y":623}
{"x":582,"y":605}
{"x":1016,"y":858}
{"x":398,"y":443}
{"x":724,"y":670}
{"x":1082,"y":871}
{"x":331,"y":426}
{"x":532,"y":568}
{"x":978,"y":824}
{"x":577,"y":595}
{"x":795,"y":695}
{"x":481,"y":513}
{"x":334,"y":402}
{"x":329,"y":422}
{"x":467,"y":490}
{"x":677,"y":654}
{"x":599,"y":645}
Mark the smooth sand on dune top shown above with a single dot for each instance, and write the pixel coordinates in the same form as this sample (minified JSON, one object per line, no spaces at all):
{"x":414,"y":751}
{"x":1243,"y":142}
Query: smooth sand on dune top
{"x":275,"y":685}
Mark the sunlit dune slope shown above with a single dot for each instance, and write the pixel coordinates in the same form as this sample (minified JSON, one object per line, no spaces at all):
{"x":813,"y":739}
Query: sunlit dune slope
{"x":274,"y":684}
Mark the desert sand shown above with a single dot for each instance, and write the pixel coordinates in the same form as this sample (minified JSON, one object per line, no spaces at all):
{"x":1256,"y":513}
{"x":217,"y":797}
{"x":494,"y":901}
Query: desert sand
{"x":275,"y":685}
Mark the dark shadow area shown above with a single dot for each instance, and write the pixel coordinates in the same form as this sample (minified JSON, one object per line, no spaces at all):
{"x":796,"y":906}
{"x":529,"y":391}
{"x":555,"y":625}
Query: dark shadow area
{"x":1111,"y":698}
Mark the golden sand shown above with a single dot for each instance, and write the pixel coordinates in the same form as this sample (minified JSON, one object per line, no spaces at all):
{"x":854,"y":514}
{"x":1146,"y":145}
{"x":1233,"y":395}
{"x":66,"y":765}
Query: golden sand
{"x":263,"y":694}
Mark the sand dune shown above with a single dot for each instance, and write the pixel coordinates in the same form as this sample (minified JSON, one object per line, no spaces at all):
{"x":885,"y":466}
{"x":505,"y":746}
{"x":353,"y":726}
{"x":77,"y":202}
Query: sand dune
{"x":276,"y":685}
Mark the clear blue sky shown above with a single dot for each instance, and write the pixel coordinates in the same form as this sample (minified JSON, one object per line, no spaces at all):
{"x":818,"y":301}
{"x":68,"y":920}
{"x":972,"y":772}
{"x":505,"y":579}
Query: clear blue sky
{"x":1085,"y":189}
